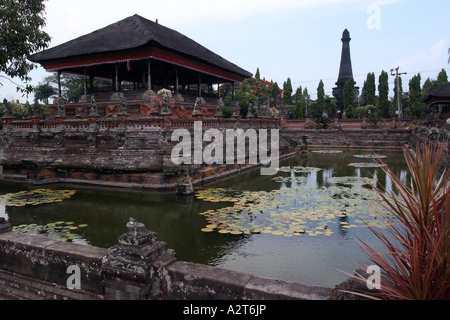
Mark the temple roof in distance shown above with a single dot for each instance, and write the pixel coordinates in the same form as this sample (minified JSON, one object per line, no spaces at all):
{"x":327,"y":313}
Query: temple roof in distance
{"x":133,"y":33}
{"x":442,"y":93}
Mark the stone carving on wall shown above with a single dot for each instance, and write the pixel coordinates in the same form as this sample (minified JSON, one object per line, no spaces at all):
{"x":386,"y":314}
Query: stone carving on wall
{"x":6,"y":140}
{"x":58,"y":139}
{"x":92,"y":139}
{"x":34,"y":138}
{"x":121,"y":140}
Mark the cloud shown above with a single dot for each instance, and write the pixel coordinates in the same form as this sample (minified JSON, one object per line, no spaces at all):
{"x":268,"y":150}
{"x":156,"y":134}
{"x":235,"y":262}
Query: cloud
{"x":433,"y":58}
{"x":70,"y":18}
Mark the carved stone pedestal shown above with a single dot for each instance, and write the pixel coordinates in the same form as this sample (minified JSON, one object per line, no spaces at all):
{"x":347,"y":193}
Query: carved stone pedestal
{"x":132,"y":268}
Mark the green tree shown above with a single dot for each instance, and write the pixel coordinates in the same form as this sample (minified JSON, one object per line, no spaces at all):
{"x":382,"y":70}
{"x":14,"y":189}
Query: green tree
{"x":299,"y":104}
{"x":287,"y":92}
{"x":44,"y":91}
{"x":317,"y":108}
{"x":349,"y":94}
{"x":274,"y":94}
{"x":383,"y":94}
{"x":442,"y":78}
{"x":258,"y":74}
{"x":350,"y":112}
{"x":431,"y":84}
{"x":368,"y":96}
{"x":416,"y":106}
{"x":330,"y":106}
{"x":21,"y":35}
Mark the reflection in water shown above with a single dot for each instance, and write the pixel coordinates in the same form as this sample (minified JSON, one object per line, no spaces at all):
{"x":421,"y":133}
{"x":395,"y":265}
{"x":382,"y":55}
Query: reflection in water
{"x":176,"y":219}
{"x":312,"y":180}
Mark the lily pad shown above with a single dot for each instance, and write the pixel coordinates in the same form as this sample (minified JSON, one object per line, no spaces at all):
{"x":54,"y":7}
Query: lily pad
{"x":290,"y":179}
{"x":299,"y":169}
{"x":351,"y":180}
{"x":365,"y":165}
{"x":369,"y":156}
{"x":328,"y":151}
{"x":61,"y":230}
{"x":35,"y":197}
{"x":292,"y":211}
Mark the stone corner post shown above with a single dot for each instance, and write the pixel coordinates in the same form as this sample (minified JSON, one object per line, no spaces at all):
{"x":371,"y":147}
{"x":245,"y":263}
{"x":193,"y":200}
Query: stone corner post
{"x":5,"y":226}
{"x":133,"y":269}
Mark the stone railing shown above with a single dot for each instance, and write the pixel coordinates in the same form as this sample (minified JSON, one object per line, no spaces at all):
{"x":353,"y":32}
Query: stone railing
{"x":139,"y":267}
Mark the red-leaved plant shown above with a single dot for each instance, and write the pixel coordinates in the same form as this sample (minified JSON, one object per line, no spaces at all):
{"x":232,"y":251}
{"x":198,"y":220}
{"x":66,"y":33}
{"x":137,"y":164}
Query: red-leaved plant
{"x":415,"y":258}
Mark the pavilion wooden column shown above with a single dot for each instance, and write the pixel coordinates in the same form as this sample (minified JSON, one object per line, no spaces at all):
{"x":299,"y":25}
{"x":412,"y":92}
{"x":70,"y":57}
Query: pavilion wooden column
{"x":91,"y":82}
{"x":176,"y":80}
{"x":85,"y":82}
{"x":149,"y":75}
{"x":116,"y":78}
{"x":234,"y":95}
{"x":59,"y":84}
{"x":199,"y":84}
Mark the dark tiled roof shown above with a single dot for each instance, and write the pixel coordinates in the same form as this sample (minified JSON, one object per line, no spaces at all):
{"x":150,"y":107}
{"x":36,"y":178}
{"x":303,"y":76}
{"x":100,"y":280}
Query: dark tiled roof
{"x":131,"y":33}
{"x":442,"y":92}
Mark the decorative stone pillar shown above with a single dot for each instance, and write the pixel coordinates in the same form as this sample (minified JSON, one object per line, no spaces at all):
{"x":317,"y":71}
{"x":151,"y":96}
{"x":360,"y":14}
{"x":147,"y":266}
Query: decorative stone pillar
{"x":133,"y":269}
{"x":197,"y":114}
{"x":61,"y":109}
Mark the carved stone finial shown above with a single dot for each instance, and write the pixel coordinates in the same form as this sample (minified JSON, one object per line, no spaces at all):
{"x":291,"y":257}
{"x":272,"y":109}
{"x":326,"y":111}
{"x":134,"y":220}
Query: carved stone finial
{"x":197,"y":111}
{"x":137,"y":235}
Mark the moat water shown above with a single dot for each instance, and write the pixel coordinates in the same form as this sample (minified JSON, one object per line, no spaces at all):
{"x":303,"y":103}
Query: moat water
{"x":314,"y":259}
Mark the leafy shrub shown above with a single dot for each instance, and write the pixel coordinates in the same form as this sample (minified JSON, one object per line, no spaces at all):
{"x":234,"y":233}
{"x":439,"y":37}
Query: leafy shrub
{"x":415,"y":261}
{"x":227,"y":112}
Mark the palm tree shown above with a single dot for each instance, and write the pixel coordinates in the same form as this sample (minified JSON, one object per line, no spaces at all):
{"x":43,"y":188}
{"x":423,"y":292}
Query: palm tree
{"x":44,"y":91}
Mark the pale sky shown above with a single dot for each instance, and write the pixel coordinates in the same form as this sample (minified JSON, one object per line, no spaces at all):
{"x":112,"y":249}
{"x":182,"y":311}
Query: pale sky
{"x":299,"y":39}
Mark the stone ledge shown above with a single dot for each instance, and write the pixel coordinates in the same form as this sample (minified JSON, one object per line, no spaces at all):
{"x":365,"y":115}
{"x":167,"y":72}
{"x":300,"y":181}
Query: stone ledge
{"x":259,"y":288}
{"x":200,"y":282}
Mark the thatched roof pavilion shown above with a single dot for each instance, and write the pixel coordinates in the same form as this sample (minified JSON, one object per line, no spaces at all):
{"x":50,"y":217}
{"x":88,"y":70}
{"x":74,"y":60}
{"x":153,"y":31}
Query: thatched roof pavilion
{"x":439,"y":98}
{"x":143,"y":52}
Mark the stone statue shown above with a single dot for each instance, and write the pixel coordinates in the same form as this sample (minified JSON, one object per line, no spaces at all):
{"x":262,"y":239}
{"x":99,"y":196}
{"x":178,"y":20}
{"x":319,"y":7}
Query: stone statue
{"x":123,"y":106}
{"x":165,"y":109}
{"x":250,"y":111}
{"x":197,"y":111}
{"x":8,"y":110}
{"x":61,"y":111}
{"x":37,"y":109}
{"x":93,"y":110}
